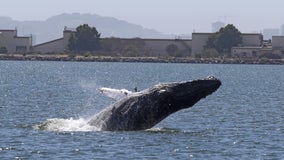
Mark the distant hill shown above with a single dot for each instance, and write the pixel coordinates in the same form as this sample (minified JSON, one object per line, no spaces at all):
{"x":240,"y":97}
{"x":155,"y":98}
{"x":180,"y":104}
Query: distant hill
{"x":52,"y":28}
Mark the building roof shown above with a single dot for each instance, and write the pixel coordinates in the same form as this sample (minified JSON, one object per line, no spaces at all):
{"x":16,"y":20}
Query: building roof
{"x":23,"y":36}
{"x":278,"y":36}
{"x":210,"y":33}
{"x":149,"y":39}
{"x":7,"y":30}
{"x":66,"y":29}
{"x":250,"y":34}
{"x":48,"y":42}
{"x":247,"y":47}
{"x":202,"y":33}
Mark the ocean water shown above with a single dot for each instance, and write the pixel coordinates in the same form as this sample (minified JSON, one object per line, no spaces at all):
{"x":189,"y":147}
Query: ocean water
{"x":243,"y":119}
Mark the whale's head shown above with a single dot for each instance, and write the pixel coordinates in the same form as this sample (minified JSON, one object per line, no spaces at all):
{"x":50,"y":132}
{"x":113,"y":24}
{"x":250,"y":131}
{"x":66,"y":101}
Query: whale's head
{"x":180,"y":95}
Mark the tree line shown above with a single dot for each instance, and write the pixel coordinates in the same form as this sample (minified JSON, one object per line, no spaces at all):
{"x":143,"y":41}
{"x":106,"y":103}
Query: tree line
{"x":87,"y":39}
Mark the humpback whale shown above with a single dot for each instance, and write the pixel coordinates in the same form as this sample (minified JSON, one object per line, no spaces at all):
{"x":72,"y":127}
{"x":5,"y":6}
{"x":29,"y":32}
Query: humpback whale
{"x":143,"y":110}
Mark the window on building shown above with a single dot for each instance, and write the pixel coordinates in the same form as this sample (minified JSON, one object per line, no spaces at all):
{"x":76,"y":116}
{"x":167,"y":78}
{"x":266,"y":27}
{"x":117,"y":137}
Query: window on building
{"x":253,"y":53}
{"x":21,"y":48}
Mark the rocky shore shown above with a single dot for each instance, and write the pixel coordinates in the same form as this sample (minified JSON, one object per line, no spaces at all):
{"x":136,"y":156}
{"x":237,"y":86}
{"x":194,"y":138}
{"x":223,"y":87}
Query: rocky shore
{"x":65,"y":57}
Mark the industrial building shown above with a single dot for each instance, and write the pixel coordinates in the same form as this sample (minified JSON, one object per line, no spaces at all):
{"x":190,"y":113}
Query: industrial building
{"x":14,"y":43}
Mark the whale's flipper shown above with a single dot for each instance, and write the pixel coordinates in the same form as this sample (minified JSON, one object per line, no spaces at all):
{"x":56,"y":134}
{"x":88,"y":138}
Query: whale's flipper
{"x":115,"y":94}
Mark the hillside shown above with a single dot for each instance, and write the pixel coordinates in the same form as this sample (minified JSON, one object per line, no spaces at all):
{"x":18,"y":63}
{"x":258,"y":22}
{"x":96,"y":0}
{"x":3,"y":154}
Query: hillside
{"x":52,"y":28}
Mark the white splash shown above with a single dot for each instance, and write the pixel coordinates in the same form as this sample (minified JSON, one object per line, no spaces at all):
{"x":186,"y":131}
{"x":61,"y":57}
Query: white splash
{"x":66,"y":125}
{"x":81,"y":124}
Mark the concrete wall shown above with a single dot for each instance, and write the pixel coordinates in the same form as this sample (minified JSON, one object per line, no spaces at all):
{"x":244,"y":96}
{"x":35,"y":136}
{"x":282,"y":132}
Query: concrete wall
{"x":158,"y":47}
{"x":278,"y":42}
{"x":52,"y":46}
{"x":58,"y":45}
{"x":145,"y":47}
{"x":13,"y":43}
{"x":251,"y":39}
{"x":199,"y":41}
{"x":155,"y":47}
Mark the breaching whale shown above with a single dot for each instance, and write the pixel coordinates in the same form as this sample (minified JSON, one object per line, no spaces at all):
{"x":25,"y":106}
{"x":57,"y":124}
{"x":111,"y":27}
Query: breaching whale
{"x":143,"y":110}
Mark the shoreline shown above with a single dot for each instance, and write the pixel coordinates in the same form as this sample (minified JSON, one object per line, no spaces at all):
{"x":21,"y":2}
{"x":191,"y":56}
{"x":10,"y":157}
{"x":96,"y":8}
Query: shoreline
{"x":66,"y":57}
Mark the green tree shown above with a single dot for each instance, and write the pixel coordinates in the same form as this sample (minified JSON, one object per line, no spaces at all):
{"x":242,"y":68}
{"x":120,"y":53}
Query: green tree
{"x":72,"y":43}
{"x":135,"y":45}
{"x":86,"y":38}
{"x":3,"y":50}
{"x":224,"y":39}
{"x":172,"y":50}
{"x":209,"y":53}
{"x":131,"y":51}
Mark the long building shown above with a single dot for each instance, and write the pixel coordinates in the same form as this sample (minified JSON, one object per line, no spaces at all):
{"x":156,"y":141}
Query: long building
{"x":252,"y":44}
{"x":158,"y":47}
{"x":155,"y":47}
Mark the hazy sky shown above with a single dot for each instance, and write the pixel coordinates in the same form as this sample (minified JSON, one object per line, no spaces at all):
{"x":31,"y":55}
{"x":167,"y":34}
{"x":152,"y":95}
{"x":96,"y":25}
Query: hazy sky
{"x":166,"y":16}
